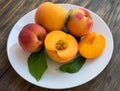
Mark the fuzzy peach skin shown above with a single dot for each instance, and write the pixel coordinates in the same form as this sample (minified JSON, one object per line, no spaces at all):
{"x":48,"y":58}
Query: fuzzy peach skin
{"x":61,"y":47}
{"x":51,"y":16}
{"x":31,"y":37}
{"x":80,"y":22}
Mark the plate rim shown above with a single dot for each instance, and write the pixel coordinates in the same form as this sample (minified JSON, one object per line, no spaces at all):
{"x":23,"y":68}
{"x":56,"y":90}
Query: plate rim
{"x":77,"y":84}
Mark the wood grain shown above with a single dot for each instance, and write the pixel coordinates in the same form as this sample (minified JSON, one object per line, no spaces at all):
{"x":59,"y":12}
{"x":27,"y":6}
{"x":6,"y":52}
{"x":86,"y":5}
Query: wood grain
{"x":12,"y":10}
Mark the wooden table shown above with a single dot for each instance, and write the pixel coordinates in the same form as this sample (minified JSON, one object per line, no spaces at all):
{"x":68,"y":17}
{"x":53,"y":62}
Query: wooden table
{"x":12,"y":10}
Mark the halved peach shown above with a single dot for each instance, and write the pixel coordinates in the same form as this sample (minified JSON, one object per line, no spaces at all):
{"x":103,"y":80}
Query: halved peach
{"x":92,"y":45}
{"x":61,"y":47}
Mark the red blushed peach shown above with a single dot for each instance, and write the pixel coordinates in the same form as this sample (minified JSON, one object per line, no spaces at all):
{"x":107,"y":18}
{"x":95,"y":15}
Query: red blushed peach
{"x":31,"y":37}
{"x":80,"y":22}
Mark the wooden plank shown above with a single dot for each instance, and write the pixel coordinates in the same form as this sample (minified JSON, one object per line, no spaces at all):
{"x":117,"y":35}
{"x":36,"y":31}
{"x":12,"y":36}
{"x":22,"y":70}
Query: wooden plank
{"x":12,"y":10}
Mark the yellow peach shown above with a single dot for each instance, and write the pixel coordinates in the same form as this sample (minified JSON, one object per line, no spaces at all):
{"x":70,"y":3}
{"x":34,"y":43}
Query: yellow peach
{"x":60,"y":46}
{"x":51,"y":16}
{"x":92,"y":45}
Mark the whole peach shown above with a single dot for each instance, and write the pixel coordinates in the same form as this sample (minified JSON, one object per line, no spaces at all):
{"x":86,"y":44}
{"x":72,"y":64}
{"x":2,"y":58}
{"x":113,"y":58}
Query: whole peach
{"x":31,"y":37}
{"x":51,"y":16}
{"x":80,"y":22}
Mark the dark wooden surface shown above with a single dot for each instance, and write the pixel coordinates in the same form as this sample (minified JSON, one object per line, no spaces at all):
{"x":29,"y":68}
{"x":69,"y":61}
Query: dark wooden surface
{"x":12,"y":10}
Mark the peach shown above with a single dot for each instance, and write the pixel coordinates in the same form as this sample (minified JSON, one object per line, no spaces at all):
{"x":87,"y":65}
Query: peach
{"x":31,"y":37}
{"x":51,"y":16}
{"x":80,"y":22}
{"x":60,"y":46}
{"x":92,"y":45}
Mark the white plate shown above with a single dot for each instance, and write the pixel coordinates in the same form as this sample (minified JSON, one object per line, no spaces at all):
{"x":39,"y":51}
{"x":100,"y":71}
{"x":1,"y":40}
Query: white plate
{"x":53,"y":78}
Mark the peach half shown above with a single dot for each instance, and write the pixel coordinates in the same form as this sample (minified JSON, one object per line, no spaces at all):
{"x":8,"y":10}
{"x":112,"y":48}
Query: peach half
{"x":92,"y":45}
{"x":60,"y":46}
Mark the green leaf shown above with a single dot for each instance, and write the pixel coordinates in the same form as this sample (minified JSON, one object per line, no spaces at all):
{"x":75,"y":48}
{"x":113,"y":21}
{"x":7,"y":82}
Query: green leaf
{"x":68,"y":15}
{"x":37,"y":64}
{"x":65,"y":29}
{"x":73,"y":66}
